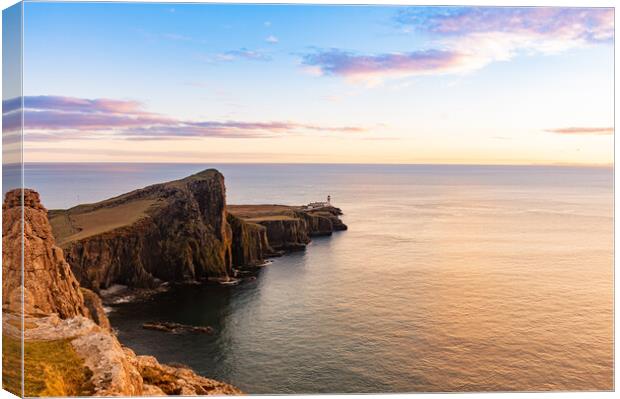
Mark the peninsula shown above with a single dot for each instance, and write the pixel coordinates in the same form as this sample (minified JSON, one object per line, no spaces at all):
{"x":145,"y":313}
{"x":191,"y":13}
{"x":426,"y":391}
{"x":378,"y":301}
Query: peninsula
{"x":180,"y":231}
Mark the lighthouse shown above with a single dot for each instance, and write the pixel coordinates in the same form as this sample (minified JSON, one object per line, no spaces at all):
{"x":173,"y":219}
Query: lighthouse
{"x":329,"y":199}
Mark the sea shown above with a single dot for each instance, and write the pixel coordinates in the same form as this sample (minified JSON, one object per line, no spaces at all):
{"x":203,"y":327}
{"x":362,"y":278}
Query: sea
{"x":450,"y":278}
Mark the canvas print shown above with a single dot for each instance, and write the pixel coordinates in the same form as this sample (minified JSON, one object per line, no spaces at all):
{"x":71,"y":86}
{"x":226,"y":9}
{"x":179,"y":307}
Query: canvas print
{"x":223,"y":199}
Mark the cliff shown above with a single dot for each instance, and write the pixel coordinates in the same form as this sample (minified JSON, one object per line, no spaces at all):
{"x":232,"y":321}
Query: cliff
{"x":176,"y":231}
{"x":290,"y":228}
{"x":48,"y":284}
{"x":180,"y":231}
{"x":68,"y":346}
{"x":250,"y":245}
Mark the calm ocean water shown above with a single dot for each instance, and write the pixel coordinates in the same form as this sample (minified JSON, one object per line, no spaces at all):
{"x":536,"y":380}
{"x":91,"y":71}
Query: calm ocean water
{"x":450,"y":278}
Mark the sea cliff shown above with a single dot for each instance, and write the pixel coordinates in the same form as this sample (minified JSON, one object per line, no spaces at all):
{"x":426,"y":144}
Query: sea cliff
{"x":180,"y":231}
{"x":68,"y":345}
{"x":176,"y":231}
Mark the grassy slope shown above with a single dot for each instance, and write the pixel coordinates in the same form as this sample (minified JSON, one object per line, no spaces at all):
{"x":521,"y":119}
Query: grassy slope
{"x":52,"y":368}
{"x":77,"y":223}
{"x":258,"y":213}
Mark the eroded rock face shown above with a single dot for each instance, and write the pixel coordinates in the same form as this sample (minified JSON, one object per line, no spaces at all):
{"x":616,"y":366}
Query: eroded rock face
{"x":58,"y":309}
{"x":95,"y":307}
{"x":250,"y":245}
{"x":48,"y":284}
{"x":177,"y":380}
{"x":290,"y":228}
{"x":287,"y":234}
{"x":181,"y":235}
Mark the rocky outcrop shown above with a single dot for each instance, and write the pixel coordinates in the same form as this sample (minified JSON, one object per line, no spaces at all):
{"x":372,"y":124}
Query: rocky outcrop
{"x":48,"y":284}
{"x":113,"y":370}
{"x":176,"y":231}
{"x":60,"y":315}
{"x":250,"y":245}
{"x":177,"y":328}
{"x":95,"y":307}
{"x":290,"y":228}
{"x":288,"y":234}
{"x":176,"y":380}
{"x":180,"y":231}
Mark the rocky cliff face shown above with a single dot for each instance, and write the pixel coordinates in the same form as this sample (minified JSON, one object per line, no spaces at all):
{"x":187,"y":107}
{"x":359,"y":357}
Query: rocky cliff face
{"x":48,"y":284}
{"x":176,"y":231}
{"x":290,"y":228}
{"x":250,"y":245}
{"x":69,"y":348}
{"x":180,"y":231}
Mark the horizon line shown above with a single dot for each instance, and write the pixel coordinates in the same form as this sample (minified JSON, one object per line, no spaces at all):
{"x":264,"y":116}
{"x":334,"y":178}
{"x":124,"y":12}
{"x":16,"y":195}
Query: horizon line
{"x":559,"y":164}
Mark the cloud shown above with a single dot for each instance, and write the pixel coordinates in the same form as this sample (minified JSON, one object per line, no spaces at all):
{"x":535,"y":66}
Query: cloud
{"x":370,"y":68}
{"x":465,"y":39}
{"x":598,"y":131}
{"x":55,"y":118}
{"x":241,"y":54}
{"x":547,"y":23}
{"x":271,"y":39}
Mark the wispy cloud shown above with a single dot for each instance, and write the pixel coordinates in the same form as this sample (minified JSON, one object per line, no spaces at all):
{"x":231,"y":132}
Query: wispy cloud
{"x":598,"y":131}
{"x":235,"y":55}
{"x":54,"y":118}
{"x":271,"y":39}
{"x":374,"y":68}
{"x":464,"y":39}
{"x":548,"y":23}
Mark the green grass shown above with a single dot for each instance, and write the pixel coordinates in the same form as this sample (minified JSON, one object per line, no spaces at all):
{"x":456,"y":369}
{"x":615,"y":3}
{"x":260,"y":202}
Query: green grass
{"x":52,"y":368}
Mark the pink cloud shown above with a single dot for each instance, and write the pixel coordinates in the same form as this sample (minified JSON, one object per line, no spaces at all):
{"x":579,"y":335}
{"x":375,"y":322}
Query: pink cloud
{"x":346,"y":64}
{"x":53,"y":118}
{"x":589,"y":24}
{"x":465,"y":39}
{"x":599,"y":131}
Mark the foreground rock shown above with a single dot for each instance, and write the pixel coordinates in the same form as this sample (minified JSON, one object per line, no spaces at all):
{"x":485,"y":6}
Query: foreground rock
{"x":49,"y":286}
{"x":69,"y":347}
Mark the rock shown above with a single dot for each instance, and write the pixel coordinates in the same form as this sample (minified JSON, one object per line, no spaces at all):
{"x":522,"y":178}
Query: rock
{"x":179,"y":380}
{"x":174,"y":231}
{"x":289,"y":228}
{"x":180,"y":231}
{"x":95,"y":307}
{"x":176,"y":328}
{"x":48,"y":284}
{"x":113,"y":373}
{"x":58,"y":310}
{"x":250,"y":245}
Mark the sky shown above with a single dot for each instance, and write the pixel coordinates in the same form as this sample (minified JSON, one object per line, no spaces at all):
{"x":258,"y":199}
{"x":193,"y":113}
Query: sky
{"x":316,"y":84}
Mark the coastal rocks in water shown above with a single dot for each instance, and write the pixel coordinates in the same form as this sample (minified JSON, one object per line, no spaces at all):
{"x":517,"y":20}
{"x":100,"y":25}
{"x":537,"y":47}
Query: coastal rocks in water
{"x":174,"y":231}
{"x":48,"y":284}
{"x":177,"y":328}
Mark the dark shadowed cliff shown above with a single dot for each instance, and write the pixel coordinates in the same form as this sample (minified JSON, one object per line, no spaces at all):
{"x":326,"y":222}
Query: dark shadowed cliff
{"x":180,"y":231}
{"x":174,"y":231}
